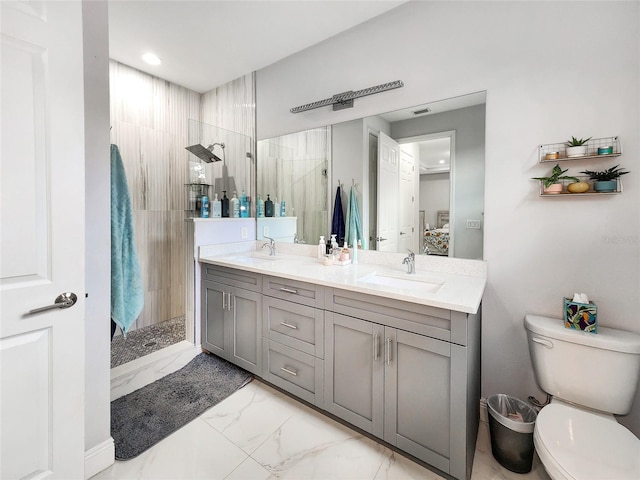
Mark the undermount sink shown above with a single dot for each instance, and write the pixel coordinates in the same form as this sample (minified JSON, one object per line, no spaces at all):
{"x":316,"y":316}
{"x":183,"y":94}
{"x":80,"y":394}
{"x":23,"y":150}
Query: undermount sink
{"x":411,"y":282}
{"x":251,"y":260}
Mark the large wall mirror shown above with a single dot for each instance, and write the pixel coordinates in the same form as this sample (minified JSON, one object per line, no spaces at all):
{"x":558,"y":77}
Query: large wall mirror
{"x":417,"y":175}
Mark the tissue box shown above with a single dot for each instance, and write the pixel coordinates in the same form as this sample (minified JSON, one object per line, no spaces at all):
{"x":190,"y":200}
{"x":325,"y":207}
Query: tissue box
{"x":580,"y":316}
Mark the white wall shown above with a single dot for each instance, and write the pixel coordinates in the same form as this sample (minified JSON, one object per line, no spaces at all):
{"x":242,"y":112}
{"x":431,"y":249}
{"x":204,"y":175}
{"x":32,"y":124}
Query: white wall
{"x":538,"y":249}
{"x":98,"y":226}
{"x":434,"y":196}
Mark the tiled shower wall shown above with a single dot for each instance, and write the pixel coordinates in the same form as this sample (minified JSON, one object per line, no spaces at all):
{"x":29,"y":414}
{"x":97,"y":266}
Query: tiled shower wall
{"x":149,"y":120}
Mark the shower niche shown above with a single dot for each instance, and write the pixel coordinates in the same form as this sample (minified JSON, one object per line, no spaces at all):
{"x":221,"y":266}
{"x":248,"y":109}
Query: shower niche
{"x":219,"y":161}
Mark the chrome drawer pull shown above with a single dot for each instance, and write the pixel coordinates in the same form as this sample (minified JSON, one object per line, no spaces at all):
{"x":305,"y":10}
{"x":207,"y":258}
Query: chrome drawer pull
{"x":285,"y":324}
{"x":290,"y":372}
{"x":389,"y":351}
{"x":288,"y":290}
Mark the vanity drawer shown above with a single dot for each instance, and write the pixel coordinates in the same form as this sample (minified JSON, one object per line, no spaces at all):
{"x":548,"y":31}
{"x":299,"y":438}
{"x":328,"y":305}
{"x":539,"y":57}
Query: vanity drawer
{"x":294,"y":325}
{"x":425,"y":320}
{"x":232,"y":277}
{"x":294,"y":291}
{"x":296,"y":372}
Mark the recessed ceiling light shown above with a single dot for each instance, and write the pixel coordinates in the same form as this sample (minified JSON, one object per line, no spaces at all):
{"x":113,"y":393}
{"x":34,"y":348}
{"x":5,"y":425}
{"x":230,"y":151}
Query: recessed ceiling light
{"x":440,"y":162}
{"x":151,"y":59}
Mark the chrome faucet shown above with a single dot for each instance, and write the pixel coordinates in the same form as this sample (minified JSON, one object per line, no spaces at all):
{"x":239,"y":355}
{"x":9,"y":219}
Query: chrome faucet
{"x":410,"y":261}
{"x":272,"y":246}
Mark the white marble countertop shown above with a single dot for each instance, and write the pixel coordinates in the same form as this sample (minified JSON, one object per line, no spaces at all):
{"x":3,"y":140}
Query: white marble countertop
{"x":459,"y":285}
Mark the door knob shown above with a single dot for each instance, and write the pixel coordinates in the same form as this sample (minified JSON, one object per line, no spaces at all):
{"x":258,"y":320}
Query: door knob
{"x":64,"y":300}
{"x":380,"y":239}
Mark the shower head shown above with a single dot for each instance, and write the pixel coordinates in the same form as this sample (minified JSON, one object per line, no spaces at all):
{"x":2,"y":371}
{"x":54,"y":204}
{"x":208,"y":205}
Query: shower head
{"x":206,"y":153}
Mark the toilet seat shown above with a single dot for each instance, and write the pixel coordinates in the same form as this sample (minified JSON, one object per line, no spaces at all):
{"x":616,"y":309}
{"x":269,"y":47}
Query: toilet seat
{"x":576,"y":444}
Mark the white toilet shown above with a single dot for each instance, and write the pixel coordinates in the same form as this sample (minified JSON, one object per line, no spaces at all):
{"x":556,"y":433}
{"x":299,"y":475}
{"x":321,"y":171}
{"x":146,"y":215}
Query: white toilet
{"x":591,"y":377}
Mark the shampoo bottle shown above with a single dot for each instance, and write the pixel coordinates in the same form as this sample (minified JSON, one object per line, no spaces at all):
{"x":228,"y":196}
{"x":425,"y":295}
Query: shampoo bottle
{"x":235,"y":206}
{"x":244,"y":205}
{"x":277,"y":208}
{"x":260,"y":207}
{"x":283,"y":209}
{"x":225,"y":204}
{"x":216,"y":207}
{"x":204,"y":210}
{"x":322,"y":248}
{"x":268,"y":207}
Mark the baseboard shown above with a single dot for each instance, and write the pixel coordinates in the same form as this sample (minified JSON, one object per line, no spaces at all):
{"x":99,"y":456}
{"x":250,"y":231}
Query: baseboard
{"x":99,"y":457}
{"x":483,"y":410}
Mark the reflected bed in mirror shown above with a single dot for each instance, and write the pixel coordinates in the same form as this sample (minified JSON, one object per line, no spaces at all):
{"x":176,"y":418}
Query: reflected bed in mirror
{"x":409,"y":167}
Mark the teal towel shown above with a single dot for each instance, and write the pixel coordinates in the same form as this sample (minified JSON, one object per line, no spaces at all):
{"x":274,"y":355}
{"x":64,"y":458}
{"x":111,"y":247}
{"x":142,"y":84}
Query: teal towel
{"x":353,"y":224}
{"x":127,"y":294}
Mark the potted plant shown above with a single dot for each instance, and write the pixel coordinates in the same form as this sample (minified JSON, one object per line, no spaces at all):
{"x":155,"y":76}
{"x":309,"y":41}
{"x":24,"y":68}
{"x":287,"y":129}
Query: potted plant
{"x":605,"y":180}
{"x":576,"y":147}
{"x":552,"y":183}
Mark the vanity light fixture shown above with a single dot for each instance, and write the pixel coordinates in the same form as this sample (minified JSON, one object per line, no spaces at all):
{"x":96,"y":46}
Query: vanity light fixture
{"x":345,"y":100}
{"x":151,"y":58}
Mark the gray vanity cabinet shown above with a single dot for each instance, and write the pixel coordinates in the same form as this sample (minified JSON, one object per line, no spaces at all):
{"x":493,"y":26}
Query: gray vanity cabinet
{"x":393,"y":371}
{"x":293,"y":337}
{"x":231,"y":313}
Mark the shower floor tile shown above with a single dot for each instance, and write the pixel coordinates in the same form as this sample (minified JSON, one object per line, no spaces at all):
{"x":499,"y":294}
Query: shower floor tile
{"x":146,"y":340}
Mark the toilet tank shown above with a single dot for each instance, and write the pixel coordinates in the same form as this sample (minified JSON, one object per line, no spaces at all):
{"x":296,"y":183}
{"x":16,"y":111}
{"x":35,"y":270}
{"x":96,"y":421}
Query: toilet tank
{"x":599,"y":371}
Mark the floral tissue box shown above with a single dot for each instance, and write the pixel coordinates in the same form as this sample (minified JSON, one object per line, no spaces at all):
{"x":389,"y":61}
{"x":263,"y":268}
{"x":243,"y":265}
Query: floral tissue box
{"x":580,"y":316}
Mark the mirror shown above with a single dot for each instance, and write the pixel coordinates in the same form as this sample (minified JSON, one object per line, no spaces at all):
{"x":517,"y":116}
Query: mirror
{"x":417,"y":175}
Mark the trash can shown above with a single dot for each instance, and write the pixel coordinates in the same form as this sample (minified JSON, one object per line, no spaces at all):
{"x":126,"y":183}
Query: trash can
{"x":511,"y":423}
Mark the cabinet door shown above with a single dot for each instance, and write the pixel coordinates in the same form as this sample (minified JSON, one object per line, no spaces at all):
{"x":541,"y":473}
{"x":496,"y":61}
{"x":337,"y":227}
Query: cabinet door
{"x":215,"y":331}
{"x":246,"y":329}
{"x":354,"y":371}
{"x":418,"y":396}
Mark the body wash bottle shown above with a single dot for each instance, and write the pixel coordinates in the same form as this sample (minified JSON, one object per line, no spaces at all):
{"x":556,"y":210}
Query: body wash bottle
{"x":260,"y":207}
{"x":235,"y":206}
{"x":216,"y":207}
{"x":225,"y":204}
{"x":244,"y":205}
{"x":204,"y":211}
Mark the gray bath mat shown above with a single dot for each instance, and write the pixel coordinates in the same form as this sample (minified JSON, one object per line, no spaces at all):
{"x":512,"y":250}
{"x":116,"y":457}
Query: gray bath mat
{"x":142,"y":418}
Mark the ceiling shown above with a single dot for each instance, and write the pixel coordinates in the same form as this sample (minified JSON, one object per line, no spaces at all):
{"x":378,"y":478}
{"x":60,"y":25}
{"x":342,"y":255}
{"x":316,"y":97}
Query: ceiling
{"x":204,"y":44}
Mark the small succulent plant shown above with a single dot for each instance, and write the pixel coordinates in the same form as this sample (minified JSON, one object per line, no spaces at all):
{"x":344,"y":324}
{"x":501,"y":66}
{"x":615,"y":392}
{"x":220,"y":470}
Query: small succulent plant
{"x":577,"y":142}
{"x":557,"y":174}
{"x":605,"y":175}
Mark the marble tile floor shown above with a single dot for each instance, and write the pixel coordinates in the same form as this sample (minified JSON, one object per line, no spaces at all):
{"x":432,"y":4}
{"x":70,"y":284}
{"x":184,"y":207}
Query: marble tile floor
{"x":259,"y":433}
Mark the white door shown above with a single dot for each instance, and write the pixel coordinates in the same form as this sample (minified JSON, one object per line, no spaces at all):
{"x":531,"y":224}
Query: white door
{"x":406,"y":202}
{"x":387,"y":205}
{"x":42,"y":240}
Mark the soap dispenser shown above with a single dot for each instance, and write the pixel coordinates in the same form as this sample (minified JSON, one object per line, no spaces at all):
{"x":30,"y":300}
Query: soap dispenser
{"x":268,"y":207}
{"x":235,"y":206}
{"x":322,"y":248}
{"x":216,"y":207}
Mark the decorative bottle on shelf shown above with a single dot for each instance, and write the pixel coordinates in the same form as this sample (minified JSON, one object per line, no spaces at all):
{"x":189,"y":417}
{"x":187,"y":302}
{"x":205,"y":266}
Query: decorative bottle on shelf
{"x":283,"y":209}
{"x":268,"y":207}
{"x":260,"y":207}
{"x":204,"y":210}
{"x":225,"y":205}
{"x":276,"y":208}
{"x":244,"y":205}
{"x":322,"y":248}
{"x":235,"y":206}
{"x":216,"y":207}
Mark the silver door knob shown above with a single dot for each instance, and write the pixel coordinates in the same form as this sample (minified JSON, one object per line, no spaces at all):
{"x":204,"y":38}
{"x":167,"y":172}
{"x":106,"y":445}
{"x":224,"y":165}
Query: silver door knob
{"x":64,"y":300}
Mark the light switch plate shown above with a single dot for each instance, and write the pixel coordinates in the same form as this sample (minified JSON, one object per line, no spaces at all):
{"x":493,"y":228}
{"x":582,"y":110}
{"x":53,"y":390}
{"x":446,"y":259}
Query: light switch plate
{"x":243,"y":233}
{"x":475,"y":224}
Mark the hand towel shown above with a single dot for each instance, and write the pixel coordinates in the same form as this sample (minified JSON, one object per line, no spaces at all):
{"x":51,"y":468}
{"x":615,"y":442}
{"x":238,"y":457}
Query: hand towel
{"x":337,"y":223}
{"x":353,"y":229}
{"x":127,"y":294}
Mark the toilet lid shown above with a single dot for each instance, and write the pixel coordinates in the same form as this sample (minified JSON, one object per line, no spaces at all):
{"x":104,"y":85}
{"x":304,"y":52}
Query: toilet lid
{"x":587,"y":445}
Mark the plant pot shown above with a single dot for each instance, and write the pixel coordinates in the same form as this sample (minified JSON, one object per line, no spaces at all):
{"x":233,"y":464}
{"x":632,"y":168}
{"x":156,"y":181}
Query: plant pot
{"x":553,"y":189}
{"x":578,"y":187}
{"x":579,"y":151}
{"x":605,"y":186}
